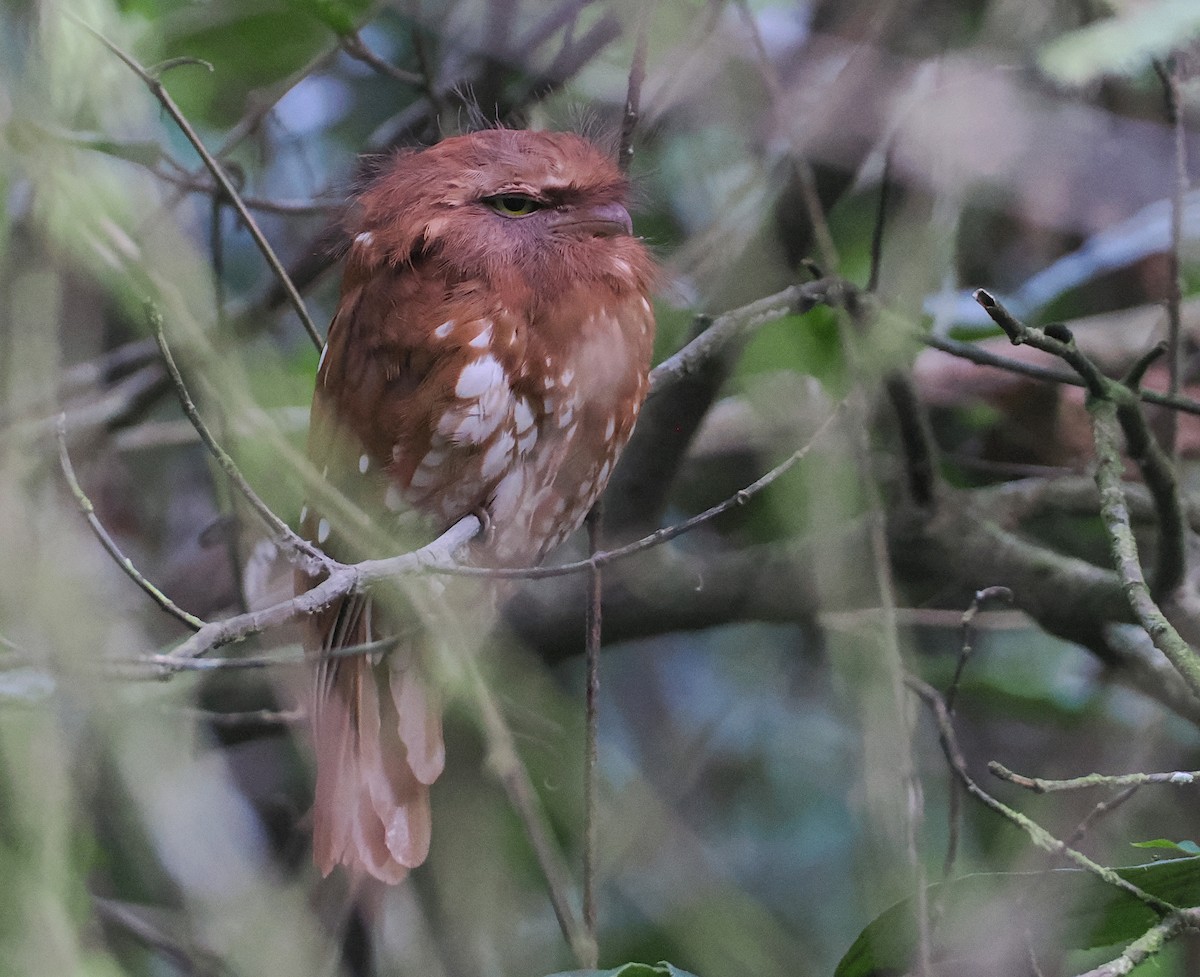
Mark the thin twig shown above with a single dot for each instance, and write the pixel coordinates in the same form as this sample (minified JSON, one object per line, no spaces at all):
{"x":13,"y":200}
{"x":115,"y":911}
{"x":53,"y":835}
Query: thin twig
{"x":916,"y":440}
{"x":224,"y":491}
{"x":1100,"y":810}
{"x":591,"y":752}
{"x":1056,"y":340}
{"x":1158,"y":471}
{"x":1115,"y":515}
{"x":954,"y":808}
{"x":968,"y":635}
{"x":174,"y":662}
{"x":1038,"y":835}
{"x":428,"y":72}
{"x":1171,"y":95}
{"x":881,"y":566}
{"x":804,"y":173}
{"x":250,"y":717}
{"x":733,"y":325}
{"x":1112,"y":405}
{"x":658,"y":537}
{"x":506,"y":763}
{"x":633,"y":93}
{"x":110,"y":544}
{"x":1039,"y":785}
{"x":342,"y":580}
{"x":983,"y":357}
{"x":113,"y":404}
{"x":281,"y":533}
{"x":885,"y":192}
{"x":184,"y":181}
{"x":353,"y":45}
{"x":1148,"y":944}
{"x":437,"y":558}
{"x":218,"y":174}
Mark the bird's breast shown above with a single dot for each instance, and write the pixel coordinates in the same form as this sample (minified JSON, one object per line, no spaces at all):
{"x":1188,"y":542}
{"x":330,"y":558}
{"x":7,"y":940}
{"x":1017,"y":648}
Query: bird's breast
{"x":533,"y":429}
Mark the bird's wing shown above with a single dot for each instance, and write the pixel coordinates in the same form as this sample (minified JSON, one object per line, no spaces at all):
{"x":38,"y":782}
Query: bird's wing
{"x":376,"y":723}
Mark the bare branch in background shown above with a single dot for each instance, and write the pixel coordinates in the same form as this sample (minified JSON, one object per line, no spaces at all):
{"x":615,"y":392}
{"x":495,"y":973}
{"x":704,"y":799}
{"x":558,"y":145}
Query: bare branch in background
{"x":281,"y":533}
{"x":110,"y":544}
{"x":633,"y":93}
{"x":221,"y":177}
{"x":1038,"y":835}
{"x":353,"y":45}
{"x":1171,"y":97}
{"x":1184,"y":778}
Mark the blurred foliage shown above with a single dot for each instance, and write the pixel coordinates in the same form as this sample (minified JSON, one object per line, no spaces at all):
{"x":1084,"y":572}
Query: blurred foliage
{"x":753,"y":787}
{"x":1068,"y":904}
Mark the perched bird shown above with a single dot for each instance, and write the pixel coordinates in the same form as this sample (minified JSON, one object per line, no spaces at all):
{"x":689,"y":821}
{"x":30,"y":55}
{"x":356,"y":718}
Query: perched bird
{"x":489,"y":355}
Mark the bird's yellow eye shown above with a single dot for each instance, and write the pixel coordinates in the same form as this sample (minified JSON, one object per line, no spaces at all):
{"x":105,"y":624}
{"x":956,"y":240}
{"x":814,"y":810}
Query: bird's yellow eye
{"x":513,"y":204}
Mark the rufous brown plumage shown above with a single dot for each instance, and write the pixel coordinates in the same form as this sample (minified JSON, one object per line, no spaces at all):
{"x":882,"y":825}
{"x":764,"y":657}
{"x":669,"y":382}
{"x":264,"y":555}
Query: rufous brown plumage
{"x":489,"y":355}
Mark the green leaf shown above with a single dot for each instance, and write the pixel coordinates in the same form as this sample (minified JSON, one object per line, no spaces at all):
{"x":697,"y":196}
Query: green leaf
{"x":1080,"y":912}
{"x":250,"y":45}
{"x":342,"y":16}
{"x":660,"y":969}
{"x":1186,"y":847}
{"x":1122,"y":45}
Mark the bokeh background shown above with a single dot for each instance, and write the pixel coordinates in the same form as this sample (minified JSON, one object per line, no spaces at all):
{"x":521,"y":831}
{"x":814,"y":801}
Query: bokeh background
{"x":765,"y":788}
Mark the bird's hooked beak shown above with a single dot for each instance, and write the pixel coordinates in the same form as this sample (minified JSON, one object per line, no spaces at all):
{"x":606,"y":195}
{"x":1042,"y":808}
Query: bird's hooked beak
{"x":602,"y":220}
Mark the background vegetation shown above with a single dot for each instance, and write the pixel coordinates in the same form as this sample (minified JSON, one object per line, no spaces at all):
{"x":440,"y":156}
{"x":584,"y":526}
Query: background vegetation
{"x":771,"y":776}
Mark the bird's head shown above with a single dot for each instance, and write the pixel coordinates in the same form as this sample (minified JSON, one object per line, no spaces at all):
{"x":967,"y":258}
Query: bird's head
{"x":501,"y":203}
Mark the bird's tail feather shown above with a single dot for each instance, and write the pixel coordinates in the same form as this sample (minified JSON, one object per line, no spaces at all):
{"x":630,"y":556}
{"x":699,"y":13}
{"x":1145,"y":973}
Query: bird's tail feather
{"x":377,"y":735}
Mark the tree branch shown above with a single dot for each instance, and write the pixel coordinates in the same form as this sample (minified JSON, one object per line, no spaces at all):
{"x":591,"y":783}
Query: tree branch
{"x":983,"y":357}
{"x":738,"y":323}
{"x":1149,"y":943}
{"x":281,"y":533}
{"x":1038,"y":835}
{"x":219,"y":176}
{"x":1113,"y":405}
{"x":1041,"y":786}
{"x":110,"y":544}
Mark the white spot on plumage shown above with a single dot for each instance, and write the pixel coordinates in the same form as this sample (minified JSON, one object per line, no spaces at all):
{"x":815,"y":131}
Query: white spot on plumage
{"x":485,"y":336}
{"x":646,"y":307}
{"x":506,"y":503}
{"x":477,"y":426}
{"x":610,"y":428}
{"x":434,"y":456}
{"x":526,"y":441}
{"x":364,"y":462}
{"x":478,"y":375}
{"x":548,"y":383}
{"x":566,"y":415}
{"x":523,"y":416}
{"x":496,"y":457}
{"x":567,"y":376}
{"x":321,"y":359}
{"x":303,"y":513}
{"x":322,"y":530}
{"x":602,"y":478}
{"x":364,"y":239}
{"x":423,"y":477}
{"x":393,"y":499}
{"x":623,"y":267}
{"x":442,"y":331}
